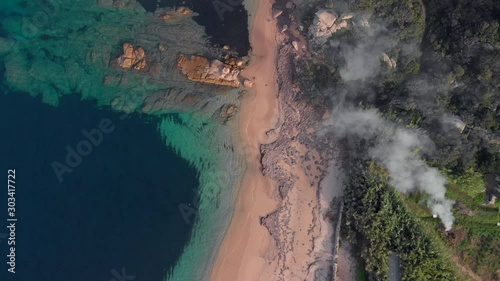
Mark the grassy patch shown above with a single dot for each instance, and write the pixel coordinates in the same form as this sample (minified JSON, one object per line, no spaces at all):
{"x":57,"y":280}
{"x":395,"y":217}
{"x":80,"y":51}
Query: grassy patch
{"x":361,"y":274}
{"x":475,"y":237}
{"x":379,"y":222}
{"x":471,"y":181}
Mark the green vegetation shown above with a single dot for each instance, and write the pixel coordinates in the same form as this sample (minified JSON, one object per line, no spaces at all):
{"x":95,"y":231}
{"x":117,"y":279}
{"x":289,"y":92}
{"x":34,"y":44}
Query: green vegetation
{"x":475,"y":237}
{"x":405,"y":21}
{"x":470,"y":181}
{"x":379,"y":221}
{"x":445,"y":85}
{"x":361,"y":274}
{"x":453,"y":79}
{"x":405,"y":18}
{"x":462,"y":41}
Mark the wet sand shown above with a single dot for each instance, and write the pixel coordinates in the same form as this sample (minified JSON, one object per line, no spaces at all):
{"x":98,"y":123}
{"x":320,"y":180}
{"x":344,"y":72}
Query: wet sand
{"x":242,"y":255}
{"x":281,"y":227}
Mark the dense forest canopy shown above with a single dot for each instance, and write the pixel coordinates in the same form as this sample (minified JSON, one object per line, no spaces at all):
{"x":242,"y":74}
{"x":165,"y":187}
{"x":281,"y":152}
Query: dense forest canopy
{"x":432,"y":66}
{"x":448,"y":66}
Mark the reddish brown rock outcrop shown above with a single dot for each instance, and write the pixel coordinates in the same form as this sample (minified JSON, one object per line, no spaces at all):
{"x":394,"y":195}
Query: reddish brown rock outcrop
{"x":200,"y":69}
{"x":132,"y":57}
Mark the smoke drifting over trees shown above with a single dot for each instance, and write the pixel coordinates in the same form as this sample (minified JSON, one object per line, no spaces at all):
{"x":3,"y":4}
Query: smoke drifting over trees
{"x":386,"y":142}
{"x":363,"y":58}
{"x":396,"y":148}
{"x":414,"y":88}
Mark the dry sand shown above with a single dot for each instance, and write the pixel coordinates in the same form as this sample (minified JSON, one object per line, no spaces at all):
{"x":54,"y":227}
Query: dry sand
{"x":296,"y":247}
{"x":242,"y":255}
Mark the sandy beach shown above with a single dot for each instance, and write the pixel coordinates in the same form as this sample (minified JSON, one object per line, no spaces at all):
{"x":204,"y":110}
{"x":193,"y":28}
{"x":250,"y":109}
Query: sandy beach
{"x":280,"y":229}
{"x":242,"y":255}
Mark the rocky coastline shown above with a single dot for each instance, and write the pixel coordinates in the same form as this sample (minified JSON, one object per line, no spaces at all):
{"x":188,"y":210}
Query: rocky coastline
{"x":298,"y":161}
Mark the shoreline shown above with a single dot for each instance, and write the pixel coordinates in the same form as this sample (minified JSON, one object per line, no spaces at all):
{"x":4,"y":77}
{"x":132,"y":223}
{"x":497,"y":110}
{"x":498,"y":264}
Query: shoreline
{"x":247,"y":242}
{"x":280,"y":228}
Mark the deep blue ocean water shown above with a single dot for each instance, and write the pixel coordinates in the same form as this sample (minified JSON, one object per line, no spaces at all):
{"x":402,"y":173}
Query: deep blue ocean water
{"x":117,"y":210}
{"x":225,"y":21}
{"x":116,"y":215}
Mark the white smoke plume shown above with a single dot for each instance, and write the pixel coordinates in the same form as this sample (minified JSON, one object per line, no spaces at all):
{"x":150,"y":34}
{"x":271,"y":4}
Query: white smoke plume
{"x":395,"y":148}
{"x":363,"y":58}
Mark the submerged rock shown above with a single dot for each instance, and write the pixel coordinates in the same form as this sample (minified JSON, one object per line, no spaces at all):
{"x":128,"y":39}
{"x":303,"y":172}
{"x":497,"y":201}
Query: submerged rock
{"x":200,"y":69}
{"x":6,"y":45}
{"x":58,"y":61}
{"x":225,"y":113}
{"x":162,"y":47}
{"x":120,"y":4}
{"x":174,"y":15}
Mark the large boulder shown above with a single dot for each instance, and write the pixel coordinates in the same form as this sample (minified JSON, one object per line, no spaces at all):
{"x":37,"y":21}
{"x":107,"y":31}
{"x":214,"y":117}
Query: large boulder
{"x":132,"y":57}
{"x":390,"y":62}
{"x":326,"y":22}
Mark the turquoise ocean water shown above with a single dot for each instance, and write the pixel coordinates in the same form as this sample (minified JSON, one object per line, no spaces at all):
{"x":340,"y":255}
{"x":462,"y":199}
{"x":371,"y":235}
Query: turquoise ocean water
{"x":103,"y":194}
